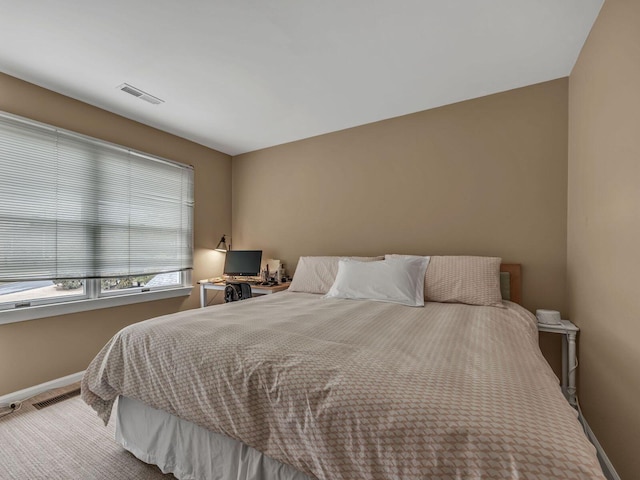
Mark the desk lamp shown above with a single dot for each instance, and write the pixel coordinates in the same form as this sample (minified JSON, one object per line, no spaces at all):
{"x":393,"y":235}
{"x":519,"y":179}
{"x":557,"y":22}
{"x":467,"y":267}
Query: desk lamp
{"x":222,"y":245}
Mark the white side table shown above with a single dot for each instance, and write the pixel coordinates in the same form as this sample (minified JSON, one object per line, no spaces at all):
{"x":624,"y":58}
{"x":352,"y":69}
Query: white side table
{"x":255,"y":289}
{"x":569,"y":333}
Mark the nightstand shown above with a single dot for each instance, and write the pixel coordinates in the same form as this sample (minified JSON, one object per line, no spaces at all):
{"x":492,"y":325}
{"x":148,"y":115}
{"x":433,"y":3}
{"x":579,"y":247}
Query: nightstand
{"x":569,"y":333}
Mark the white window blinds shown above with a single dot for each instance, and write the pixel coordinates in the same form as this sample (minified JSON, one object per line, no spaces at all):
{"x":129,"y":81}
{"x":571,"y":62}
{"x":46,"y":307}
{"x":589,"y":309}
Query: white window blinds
{"x":76,"y":207}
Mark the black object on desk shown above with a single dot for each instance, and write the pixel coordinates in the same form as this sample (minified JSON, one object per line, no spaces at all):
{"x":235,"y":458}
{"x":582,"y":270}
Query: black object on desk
{"x":237,"y":291}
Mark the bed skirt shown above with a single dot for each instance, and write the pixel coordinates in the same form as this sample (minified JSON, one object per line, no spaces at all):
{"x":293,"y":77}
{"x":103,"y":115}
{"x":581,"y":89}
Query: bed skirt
{"x":189,"y":451}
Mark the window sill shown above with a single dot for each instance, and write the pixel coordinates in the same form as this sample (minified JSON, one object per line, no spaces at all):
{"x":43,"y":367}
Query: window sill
{"x":42,"y":311}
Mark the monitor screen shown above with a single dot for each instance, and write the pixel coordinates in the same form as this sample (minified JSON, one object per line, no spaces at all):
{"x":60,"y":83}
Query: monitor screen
{"x":243,"y":262}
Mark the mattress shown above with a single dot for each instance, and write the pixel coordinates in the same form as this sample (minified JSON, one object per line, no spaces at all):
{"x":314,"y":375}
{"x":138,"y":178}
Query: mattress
{"x":344,"y":389}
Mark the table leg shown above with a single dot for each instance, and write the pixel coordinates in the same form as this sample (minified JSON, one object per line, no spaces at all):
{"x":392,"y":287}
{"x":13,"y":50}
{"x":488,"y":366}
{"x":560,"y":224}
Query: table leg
{"x":203,"y":296}
{"x":565,"y":366}
{"x":571,"y":359}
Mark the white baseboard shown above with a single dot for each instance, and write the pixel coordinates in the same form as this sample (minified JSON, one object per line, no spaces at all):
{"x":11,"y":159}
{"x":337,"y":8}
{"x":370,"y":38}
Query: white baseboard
{"x":21,"y":395}
{"x":605,"y":463}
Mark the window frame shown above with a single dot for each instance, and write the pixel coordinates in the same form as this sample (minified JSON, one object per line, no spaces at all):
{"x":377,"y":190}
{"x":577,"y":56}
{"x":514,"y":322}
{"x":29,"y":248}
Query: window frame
{"x":92,"y":300}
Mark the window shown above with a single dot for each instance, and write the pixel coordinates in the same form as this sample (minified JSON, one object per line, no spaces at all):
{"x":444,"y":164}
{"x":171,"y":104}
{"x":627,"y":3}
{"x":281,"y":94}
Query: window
{"x":39,"y":292}
{"x":140,"y":283}
{"x":83,"y":219}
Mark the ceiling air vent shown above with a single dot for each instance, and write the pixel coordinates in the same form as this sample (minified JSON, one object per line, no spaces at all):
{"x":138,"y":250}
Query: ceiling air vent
{"x":136,"y":92}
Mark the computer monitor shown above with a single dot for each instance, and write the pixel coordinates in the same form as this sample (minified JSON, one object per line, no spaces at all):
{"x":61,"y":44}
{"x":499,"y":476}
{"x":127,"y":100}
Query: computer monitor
{"x":245,"y":263}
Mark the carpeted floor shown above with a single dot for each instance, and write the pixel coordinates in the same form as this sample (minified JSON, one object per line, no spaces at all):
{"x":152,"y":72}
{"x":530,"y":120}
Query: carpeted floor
{"x":65,"y":440}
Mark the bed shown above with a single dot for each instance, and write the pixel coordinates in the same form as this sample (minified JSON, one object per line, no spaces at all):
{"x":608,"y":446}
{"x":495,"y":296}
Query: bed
{"x":297,"y":386}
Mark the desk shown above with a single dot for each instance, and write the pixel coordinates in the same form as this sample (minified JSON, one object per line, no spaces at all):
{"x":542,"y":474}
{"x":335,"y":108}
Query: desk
{"x":255,"y":290}
{"x":569,"y":362}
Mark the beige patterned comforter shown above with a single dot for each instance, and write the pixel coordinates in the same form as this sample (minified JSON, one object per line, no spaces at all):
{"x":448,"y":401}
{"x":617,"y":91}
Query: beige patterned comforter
{"x":347,"y":389}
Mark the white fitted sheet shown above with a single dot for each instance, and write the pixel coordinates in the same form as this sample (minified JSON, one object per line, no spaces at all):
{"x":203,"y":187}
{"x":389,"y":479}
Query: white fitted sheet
{"x":189,"y":451}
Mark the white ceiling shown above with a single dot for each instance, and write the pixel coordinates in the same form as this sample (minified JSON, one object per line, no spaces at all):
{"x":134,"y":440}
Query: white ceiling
{"x":240,"y":75}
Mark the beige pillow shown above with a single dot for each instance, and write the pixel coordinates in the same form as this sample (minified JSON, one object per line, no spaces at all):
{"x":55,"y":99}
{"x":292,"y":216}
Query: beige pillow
{"x":317,"y":274}
{"x":462,"y":279}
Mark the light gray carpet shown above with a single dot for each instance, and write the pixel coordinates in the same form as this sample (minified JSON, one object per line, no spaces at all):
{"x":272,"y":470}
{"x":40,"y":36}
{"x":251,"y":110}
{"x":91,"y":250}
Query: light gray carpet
{"x":66,"y":440}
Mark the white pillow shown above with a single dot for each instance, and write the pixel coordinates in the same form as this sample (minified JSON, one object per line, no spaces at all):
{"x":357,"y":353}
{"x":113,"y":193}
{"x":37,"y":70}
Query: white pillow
{"x":317,"y":274}
{"x":397,"y":280}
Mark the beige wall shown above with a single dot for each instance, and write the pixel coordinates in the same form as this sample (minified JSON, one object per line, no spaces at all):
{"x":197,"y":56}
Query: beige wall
{"x":604,"y":229}
{"x":37,"y":351}
{"x":482,"y":177}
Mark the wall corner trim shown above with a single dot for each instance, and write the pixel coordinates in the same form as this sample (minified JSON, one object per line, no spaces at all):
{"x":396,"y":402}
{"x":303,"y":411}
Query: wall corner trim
{"x":607,"y":467}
